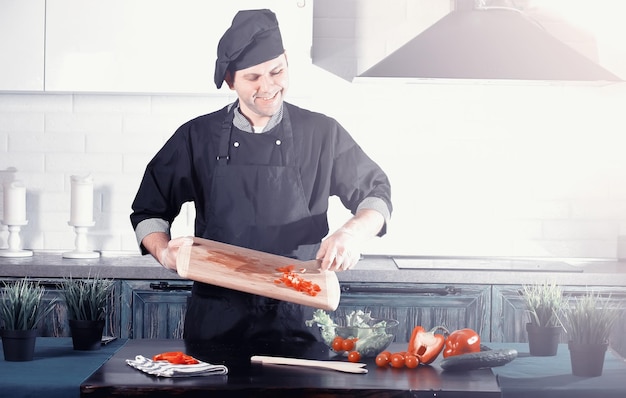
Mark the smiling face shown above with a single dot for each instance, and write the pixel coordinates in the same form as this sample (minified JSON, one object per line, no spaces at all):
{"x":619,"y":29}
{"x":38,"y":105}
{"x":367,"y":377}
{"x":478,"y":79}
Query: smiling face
{"x":261,"y":89}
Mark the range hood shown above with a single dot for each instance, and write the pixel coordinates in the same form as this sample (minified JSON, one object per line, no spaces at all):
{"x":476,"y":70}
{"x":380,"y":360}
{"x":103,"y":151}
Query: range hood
{"x":488,"y":43}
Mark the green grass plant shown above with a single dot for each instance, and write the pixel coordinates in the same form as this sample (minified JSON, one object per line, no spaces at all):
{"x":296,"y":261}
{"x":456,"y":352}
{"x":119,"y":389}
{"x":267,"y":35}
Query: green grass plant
{"x":23,"y":305}
{"x":543,"y":303}
{"x":86,"y":299}
{"x":590,"y":318}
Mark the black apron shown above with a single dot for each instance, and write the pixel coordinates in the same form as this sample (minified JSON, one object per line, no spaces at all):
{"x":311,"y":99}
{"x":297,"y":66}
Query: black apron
{"x":260,"y":207}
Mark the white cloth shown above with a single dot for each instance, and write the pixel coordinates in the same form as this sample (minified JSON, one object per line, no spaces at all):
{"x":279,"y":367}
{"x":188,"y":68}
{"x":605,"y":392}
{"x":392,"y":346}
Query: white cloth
{"x":166,"y":369}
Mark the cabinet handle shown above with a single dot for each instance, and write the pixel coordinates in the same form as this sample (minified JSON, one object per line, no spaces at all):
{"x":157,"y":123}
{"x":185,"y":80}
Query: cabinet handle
{"x":166,"y":286}
{"x":439,"y":291}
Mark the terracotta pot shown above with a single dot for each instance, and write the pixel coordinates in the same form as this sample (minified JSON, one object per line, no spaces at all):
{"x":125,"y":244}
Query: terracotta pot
{"x":86,"y":335}
{"x":543,"y":341}
{"x":587,"y":359}
{"x":18,"y":345}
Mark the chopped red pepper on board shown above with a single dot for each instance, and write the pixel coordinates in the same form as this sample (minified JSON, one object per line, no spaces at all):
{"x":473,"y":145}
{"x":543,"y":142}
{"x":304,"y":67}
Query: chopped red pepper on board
{"x":176,"y":358}
{"x":462,"y":341}
{"x":292,"y":279}
{"x":426,"y":345}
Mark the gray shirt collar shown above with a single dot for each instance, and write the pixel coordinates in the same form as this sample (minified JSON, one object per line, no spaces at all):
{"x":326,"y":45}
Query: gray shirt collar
{"x":240,"y":121}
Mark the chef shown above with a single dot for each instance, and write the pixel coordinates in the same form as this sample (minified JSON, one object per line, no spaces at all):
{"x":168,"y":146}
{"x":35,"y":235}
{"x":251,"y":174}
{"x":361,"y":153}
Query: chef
{"x":260,"y":172}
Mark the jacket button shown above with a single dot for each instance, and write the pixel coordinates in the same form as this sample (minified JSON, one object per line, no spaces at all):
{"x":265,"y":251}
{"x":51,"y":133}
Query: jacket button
{"x":236,"y":144}
{"x":278,"y":142}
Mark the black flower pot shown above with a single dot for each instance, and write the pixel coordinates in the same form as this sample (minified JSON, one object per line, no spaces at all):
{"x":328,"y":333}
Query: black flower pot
{"x":86,"y":335}
{"x":587,"y":359}
{"x":18,"y":345}
{"x":543,"y":341}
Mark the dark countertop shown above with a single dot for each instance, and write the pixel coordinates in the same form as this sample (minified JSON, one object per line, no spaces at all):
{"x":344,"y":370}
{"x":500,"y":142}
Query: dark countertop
{"x":116,"y":378}
{"x":372,"y":268}
{"x":525,"y":376}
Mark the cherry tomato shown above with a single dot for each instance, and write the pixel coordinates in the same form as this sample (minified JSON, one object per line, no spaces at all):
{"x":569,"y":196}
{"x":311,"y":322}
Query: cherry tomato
{"x":338,"y":344}
{"x":354,"y":356}
{"x":348,"y":344}
{"x":382,"y":359}
{"x":411,"y":361}
{"x":397,"y":360}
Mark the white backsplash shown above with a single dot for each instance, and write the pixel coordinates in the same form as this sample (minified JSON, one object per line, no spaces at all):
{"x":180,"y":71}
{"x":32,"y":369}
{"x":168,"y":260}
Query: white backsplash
{"x":477,"y":168}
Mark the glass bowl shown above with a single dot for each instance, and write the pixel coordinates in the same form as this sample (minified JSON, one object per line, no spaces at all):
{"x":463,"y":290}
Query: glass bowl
{"x":369,"y":338}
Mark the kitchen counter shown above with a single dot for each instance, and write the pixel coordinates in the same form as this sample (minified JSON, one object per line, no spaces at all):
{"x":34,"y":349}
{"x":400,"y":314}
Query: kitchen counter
{"x":525,"y":376}
{"x":116,"y":378}
{"x":404,"y":269}
{"x":59,"y":371}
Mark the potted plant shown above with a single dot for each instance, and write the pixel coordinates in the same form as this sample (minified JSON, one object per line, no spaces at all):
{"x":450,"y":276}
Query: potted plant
{"x":86,"y":301}
{"x":588,"y":323}
{"x":543,"y":304}
{"x":21,"y":309}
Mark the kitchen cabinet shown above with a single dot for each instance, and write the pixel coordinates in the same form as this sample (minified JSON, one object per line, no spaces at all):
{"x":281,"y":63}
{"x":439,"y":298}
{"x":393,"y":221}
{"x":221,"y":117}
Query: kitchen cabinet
{"x":22,"y":41}
{"x":509,"y":314}
{"x":151,"y":46}
{"x":153,"y":309}
{"x":56,"y":323}
{"x":156,"y":309}
{"x":429,"y":305}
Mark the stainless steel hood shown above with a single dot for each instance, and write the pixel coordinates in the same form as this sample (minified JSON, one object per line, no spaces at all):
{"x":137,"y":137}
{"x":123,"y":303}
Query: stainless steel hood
{"x":489,"y":43}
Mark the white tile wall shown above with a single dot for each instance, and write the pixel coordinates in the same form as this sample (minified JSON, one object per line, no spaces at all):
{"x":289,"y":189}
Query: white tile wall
{"x":477,"y":169}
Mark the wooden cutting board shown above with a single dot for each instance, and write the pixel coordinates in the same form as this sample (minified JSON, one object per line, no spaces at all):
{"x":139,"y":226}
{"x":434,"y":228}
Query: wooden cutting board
{"x":253,"y":271}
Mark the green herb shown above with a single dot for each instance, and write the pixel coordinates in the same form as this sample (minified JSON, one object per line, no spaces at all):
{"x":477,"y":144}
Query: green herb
{"x":22,"y":306}
{"x":86,"y":299}
{"x":543,"y":303}
{"x":590,"y":318}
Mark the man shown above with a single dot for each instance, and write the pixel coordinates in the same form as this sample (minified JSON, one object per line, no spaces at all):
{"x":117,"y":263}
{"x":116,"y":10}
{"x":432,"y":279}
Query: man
{"x":260,"y":172}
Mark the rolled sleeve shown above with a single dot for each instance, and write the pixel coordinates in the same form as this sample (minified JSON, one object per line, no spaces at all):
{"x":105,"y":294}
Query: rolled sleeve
{"x":379,"y":205}
{"x":148,"y":226}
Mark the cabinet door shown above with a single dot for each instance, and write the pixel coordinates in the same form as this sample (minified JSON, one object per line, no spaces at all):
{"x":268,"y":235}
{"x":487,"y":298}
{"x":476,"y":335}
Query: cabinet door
{"x":154,"y":309}
{"x":22,"y":44}
{"x":151,"y":46}
{"x":510,"y":317}
{"x":453,"y":306}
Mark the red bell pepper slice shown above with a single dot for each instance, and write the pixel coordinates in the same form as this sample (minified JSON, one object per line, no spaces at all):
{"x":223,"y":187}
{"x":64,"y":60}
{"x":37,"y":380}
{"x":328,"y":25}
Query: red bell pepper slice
{"x":295,"y":281}
{"x":462,"y":341}
{"x":426,"y":345}
{"x":176,"y":358}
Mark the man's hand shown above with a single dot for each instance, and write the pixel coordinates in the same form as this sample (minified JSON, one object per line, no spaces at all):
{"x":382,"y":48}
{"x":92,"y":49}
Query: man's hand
{"x":342,"y":250}
{"x":163,"y":249}
{"x":167,"y":255}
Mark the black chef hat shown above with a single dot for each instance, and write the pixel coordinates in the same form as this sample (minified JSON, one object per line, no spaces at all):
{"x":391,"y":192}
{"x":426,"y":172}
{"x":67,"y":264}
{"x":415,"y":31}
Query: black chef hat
{"x":253,"y":38}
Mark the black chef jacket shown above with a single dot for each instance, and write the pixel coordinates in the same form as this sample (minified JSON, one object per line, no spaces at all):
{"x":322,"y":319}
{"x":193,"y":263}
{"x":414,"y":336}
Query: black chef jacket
{"x":330,"y":163}
{"x":245,"y":187}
